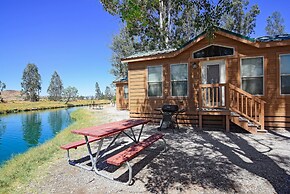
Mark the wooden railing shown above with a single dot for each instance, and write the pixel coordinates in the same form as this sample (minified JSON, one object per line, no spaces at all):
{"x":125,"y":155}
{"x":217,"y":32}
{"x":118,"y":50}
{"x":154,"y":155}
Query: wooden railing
{"x":213,"y":96}
{"x":247,"y":105}
{"x":230,"y":97}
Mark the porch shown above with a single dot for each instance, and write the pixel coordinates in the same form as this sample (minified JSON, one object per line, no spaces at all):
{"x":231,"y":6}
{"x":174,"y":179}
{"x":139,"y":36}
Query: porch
{"x":236,"y":105}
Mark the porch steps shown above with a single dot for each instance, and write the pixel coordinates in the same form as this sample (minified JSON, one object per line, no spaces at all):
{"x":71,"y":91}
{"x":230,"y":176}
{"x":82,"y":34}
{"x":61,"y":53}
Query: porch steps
{"x":246,"y":124}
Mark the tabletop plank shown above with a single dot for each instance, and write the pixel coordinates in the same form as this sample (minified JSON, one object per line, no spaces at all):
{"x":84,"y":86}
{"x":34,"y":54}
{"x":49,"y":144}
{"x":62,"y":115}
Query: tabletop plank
{"x":109,"y":129}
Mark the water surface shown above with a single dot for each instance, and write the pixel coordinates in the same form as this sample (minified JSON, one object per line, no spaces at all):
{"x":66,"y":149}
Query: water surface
{"x":21,"y":131}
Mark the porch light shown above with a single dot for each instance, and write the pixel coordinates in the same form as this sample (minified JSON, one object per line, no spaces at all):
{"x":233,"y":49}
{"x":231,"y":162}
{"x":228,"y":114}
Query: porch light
{"x":194,"y":65}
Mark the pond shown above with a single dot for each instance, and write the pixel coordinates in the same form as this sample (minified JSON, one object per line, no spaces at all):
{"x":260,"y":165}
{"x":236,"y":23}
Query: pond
{"x":21,"y":131}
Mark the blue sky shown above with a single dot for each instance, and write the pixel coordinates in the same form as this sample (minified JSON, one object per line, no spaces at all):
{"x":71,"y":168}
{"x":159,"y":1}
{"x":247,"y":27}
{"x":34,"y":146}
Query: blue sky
{"x":72,"y":37}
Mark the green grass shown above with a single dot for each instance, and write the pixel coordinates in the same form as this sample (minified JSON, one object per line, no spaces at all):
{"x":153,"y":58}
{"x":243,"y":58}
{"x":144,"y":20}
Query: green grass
{"x":15,"y":106}
{"x":23,"y":168}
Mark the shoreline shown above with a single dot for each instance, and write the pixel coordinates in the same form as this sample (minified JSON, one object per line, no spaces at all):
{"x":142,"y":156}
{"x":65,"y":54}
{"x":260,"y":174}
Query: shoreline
{"x":43,"y":105}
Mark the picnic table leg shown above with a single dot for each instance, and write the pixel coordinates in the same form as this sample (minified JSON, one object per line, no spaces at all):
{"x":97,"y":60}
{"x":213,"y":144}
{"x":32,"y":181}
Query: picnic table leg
{"x":99,"y":149}
{"x":89,"y":149}
{"x":139,"y":136}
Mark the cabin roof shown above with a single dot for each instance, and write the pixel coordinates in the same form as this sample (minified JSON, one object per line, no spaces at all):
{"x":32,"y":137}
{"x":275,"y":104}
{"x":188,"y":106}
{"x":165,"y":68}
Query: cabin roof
{"x":149,"y":53}
{"x":121,"y":80}
{"x":280,"y":37}
{"x":262,"y":39}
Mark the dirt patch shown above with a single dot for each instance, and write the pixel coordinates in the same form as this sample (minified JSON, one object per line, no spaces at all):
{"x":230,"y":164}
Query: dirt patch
{"x":197,"y":161}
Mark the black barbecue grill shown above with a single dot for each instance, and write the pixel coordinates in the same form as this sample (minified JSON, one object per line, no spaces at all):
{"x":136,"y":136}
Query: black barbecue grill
{"x":169,"y":116}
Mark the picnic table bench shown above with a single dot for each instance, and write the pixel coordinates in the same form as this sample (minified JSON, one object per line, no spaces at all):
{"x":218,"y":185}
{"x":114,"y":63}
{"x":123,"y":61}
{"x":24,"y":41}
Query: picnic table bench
{"x":114,"y":129}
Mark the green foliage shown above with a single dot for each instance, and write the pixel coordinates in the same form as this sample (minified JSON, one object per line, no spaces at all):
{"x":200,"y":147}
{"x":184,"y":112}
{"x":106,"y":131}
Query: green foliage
{"x":31,"y":82}
{"x":238,"y":20}
{"x":55,"y":87}
{"x":210,"y":15}
{"x":2,"y":87}
{"x":98,"y":94}
{"x":70,"y":93}
{"x":164,"y":24}
{"x":275,"y":24}
{"x":122,"y":46}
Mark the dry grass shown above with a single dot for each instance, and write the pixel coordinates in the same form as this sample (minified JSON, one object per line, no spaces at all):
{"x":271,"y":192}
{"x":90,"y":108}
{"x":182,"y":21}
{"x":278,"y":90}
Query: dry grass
{"x":16,"y":106}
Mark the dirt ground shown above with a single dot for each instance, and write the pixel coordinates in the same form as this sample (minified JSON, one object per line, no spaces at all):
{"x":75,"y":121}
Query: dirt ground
{"x":196,"y":161}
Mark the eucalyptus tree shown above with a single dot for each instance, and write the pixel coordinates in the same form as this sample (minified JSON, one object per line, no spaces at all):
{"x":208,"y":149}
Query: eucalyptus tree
{"x":238,"y":19}
{"x":98,"y":94}
{"x":55,"y":87}
{"x":164,"y":24}
{"x":122,"y":46}
{"x":108,"y":93}
{"x":210,"y":15}
{"x":2,"y":87}
{"x":275,"y":24}
{"x":31,"y":82}
{"x":160,"y":24}
{"x":70,"y":93}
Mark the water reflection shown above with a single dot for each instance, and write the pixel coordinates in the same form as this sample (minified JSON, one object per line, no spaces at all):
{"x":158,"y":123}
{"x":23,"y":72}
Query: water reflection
{"x":31,"y":126}
{"x":2,"y":129}
{"x":58,"y":119}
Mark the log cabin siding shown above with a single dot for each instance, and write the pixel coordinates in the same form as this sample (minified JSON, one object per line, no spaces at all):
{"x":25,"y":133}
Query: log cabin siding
{"x":277,"y":107}
{"x":121,"y":102}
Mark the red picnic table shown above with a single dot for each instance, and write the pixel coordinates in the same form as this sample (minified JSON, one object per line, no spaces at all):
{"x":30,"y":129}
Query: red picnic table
{"x":114,"y":129}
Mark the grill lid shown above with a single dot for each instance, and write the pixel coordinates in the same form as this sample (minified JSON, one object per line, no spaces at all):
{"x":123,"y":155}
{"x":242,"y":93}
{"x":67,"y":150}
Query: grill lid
{"x":170,"y":108}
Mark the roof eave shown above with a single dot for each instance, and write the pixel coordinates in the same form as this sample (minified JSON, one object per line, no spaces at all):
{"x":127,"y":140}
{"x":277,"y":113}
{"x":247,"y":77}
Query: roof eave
{"x":220,"y":31}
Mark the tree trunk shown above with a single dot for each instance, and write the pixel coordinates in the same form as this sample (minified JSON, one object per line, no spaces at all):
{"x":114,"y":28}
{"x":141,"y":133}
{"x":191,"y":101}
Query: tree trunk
{"x":167,"y":34}
{"x":161,"y":17}
{"x":165,"y":28}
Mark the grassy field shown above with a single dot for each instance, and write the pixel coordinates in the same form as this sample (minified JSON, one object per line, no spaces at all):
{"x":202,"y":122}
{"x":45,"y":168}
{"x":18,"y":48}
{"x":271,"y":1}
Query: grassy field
{"x":16,"y":106}
{"x":23,"y":168}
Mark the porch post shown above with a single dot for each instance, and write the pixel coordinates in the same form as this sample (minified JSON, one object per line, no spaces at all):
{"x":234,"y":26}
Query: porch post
{"x":262,"y":115}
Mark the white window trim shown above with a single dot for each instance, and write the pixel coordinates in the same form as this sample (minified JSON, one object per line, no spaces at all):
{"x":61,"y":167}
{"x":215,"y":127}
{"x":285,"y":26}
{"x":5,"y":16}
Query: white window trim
{"x":280,"y":84}
{"x":179,"y":80}
{"x":215,"y":56}
{"x":263,"y":60}
{"x":162,"y":80}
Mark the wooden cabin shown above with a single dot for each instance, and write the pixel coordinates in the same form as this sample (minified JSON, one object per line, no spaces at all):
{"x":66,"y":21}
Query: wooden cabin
{"x":228,"y":81}
{"x":122,"y":101}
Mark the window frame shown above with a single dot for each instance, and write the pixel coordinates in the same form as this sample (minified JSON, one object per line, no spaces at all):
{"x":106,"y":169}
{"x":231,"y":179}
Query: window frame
{"x":187,"y":82}
{"x":126,"y":96}
{"x":280,"y":75}
{"x":162,"y":79}
{"x":234,"y":51}
{"x":263,"y":65}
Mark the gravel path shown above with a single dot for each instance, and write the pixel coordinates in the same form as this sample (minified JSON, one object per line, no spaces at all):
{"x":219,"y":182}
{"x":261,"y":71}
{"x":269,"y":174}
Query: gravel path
{"x":197,"y":161}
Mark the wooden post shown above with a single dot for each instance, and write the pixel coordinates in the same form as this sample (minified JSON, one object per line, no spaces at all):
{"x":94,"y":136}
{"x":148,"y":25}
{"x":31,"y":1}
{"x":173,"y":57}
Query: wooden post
{"x":227,"y":96}
{"x":200,"y":120}
{"x":200,"y":98}
{"x":227,"y":123}
{"x":262,"y":115}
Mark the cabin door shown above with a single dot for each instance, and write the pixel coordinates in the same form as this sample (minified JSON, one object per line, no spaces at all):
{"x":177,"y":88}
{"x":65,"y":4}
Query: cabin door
{"x":214,"y":72}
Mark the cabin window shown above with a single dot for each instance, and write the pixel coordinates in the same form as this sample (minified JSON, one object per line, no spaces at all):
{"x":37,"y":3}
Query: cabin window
{"x":125,"y":91}
{"x":285,"y":73}
{"x":179,"y":75}
{"x":252,"y":73}
{"x":154,"y":81}
{"x":213,"y":51}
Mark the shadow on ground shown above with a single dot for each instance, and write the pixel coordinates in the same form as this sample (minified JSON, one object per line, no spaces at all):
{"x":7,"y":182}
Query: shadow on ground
{"x":210,"y":161}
